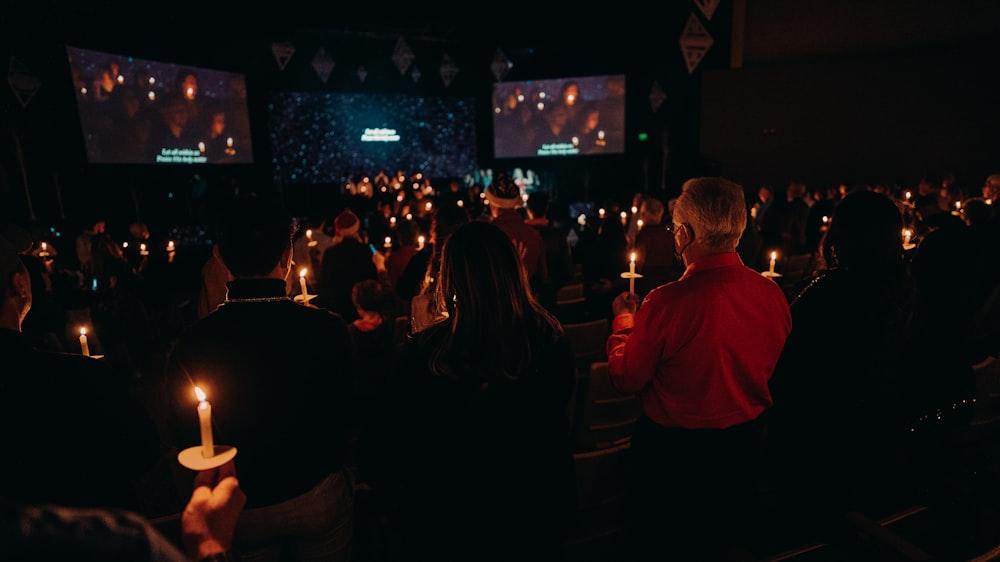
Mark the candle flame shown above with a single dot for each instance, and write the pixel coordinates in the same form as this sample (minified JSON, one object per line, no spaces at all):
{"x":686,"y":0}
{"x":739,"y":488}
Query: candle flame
{"x":200,"y":394}
{"x":774,"y":255}
{"x":83,"y":331}
{"x":632,"y":258}
{"x":302,"y":272}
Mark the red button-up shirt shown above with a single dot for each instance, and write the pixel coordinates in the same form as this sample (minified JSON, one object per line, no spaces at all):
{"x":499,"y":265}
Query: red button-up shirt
{"x":700,"y":351}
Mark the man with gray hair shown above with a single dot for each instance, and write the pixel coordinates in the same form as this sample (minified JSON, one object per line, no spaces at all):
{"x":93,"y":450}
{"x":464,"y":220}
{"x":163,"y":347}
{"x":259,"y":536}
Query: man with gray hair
{"x":699,"y":353}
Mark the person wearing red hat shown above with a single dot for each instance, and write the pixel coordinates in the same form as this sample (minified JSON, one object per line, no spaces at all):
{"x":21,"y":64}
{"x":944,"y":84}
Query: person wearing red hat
{"x":345,"y":263}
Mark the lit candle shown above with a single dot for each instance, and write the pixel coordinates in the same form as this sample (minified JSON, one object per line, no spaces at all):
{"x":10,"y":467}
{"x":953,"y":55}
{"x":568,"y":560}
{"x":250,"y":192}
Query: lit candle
{"x":387,"y":243}
{"x":624,"y":217}
{"x":84,"y":348}
{"x":205,"y":420}
{"x":420,"y":242}
{"x":631,"y":273}
{"x":638,"y":224}
{"x":142,"y":249}
{"x":907,"y":236}
{"x":908,"y":195}
{"x":302,"y":284}
{"x":600,"y":213}
{"x":770,"y":269}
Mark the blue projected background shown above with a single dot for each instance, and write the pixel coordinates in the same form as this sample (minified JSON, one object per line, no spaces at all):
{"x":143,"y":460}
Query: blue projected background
{"x":335,"y":137}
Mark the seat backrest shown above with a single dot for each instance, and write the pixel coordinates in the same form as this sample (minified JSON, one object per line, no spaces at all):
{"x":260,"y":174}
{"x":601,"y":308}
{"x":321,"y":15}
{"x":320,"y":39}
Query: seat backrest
{"x":604,"y":417}
{"x":602,"y":513}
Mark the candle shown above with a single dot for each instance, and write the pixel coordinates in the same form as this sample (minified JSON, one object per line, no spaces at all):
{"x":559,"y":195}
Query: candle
{"x":638,"y":224}
{"x":420,"y":242}
{"x":205,"y":421}
{"x":600,"y":213}
{"x":631,"y":273}
{"x":309,"y":235}
{"x":84,"y":348}
{"x":624,"y":217}
{"x":387,"y":243}
{"x":302,"y":284}
{"x":770,"y":270}
{"x":907,"y":236}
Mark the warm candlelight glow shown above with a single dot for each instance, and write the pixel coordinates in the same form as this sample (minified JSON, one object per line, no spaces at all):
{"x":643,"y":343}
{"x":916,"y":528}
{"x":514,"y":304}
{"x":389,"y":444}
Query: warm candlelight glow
{"x":638,"y":224}
{"x":302,"y":283}
{"x":84,"y":348}
{"x":770,"y":269}
{"x":420,"y":242}
{"x":600,"y":213}
{"x":631,"y":272}
{"x":205,"y":422}
{"x":907,"y":236}
{"x":387,"y":242}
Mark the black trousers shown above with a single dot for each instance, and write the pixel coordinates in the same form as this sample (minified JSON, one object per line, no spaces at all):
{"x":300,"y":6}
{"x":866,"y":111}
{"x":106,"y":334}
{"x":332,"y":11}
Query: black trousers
{"x":693,"y":493}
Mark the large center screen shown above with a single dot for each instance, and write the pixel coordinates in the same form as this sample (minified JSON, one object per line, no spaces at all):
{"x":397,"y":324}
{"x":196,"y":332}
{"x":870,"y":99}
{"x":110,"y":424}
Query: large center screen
{"x":336,"y":137}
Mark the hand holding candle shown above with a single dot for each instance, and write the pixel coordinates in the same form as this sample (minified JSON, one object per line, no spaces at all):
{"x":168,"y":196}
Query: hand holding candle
{"x":205,"y":420}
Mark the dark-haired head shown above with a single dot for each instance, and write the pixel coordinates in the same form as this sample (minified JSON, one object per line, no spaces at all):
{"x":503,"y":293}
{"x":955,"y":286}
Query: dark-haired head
{"x":492,"y":311}
{"x":255,"y":233}
{"x":865,"y":233}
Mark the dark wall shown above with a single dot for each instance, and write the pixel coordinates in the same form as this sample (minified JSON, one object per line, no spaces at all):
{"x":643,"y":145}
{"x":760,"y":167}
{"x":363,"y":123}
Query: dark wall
{"x":865,"y":119}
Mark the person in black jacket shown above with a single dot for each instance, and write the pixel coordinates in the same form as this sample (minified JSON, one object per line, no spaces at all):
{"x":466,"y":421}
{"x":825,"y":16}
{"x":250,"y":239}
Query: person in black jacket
{"x":279,"y":377}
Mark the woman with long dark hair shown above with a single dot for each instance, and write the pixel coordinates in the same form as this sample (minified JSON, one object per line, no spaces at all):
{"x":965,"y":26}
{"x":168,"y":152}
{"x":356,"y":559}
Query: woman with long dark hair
{"x":473,"y":450}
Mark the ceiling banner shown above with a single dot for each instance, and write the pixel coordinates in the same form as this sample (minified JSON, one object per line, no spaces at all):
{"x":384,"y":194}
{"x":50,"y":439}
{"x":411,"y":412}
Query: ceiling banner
{"x":501,"y":64}
{"x":323,"y":64}
{"x":448,"y":70}
{"x":707,"y":7}
{"x":402,"y":56}
{"x":695,"y":42}
{"x":656,"y":96}
{"x":22,"y":82}
{"x":282,"y":53}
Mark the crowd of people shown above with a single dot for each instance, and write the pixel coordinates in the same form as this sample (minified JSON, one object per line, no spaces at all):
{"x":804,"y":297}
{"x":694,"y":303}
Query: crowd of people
{"x":767,"y":408}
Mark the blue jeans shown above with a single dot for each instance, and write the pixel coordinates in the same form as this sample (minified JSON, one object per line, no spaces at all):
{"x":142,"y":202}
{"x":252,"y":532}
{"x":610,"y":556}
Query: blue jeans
{"x":318,"y":525}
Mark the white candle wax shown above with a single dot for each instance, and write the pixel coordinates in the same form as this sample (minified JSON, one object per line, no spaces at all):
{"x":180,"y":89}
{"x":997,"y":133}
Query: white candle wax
{"x":631,"y":273}
{"x":774,"y":256}
{"x":302,"y":284}
{"x":205,"y":421}
{"x":84,"y":348}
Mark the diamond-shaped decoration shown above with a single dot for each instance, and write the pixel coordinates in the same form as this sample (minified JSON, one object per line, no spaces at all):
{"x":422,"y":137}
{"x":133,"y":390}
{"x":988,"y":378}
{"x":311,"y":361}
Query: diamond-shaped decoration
{"x":323,"y":64}
{"x":695,"y":42}
{"x":402,"y":56}
{"x":448,"y":70}
{"x":282,"y":53}
{"x":22,"y":82}
{"x":415,"y":75}
{"x":707,"y":7}
{"x":656,"y":96}
{"x":362,"y":72}
{"x":501,"y":64}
